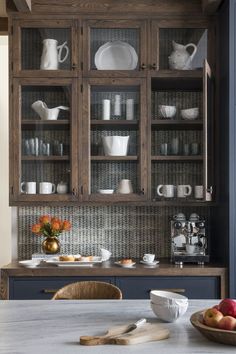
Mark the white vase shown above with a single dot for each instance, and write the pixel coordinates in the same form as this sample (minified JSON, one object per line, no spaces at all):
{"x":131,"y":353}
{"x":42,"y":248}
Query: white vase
{"x":115,"y":145}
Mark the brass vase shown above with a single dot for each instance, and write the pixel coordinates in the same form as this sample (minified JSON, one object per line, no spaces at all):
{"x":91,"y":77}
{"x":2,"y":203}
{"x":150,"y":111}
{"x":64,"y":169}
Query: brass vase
{"x":51,"y":245}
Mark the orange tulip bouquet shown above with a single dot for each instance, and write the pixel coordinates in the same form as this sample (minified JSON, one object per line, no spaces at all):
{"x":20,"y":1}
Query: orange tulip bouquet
{"x":51,"y":228}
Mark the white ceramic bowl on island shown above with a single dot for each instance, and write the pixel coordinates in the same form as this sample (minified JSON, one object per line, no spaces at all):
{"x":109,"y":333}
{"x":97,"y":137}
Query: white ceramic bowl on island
{"x":167,"y":111}
{"x":190,"y":114}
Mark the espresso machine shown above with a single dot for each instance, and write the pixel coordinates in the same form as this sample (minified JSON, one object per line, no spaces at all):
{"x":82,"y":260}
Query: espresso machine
{"x":188,"y":240}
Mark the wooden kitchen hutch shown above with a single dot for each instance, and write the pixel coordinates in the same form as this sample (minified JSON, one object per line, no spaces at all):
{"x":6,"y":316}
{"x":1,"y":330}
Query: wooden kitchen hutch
{"x":150,"y":29}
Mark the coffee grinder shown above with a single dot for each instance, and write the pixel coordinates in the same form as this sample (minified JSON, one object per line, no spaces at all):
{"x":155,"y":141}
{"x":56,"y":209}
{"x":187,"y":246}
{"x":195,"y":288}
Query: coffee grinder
{"x":188,"y":240}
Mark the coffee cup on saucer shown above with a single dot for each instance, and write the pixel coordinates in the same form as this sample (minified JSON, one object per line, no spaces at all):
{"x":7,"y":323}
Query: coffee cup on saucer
{"x":194,"y":217}
{"x":179,"y":217}
{"x":149,"y":258}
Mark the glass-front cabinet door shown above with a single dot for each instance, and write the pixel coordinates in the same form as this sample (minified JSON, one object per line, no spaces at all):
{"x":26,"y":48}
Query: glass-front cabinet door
{"x":46,"y":48}
{"x":115,"y":130}
{"x":45,"y":165}
{"x":114,"y":46}
{"x":176,"y":45}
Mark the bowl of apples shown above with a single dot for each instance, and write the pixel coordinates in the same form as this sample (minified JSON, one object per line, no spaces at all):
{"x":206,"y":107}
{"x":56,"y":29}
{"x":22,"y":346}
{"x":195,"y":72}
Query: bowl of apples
{"x":217,"y":323}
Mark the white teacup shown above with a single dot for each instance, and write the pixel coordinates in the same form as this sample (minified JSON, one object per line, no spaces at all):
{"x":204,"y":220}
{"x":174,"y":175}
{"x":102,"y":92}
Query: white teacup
{"x":148,"y":257}
{"x":28,"y":187}
{"x":166,"y":190}
{"x":47,"y":188}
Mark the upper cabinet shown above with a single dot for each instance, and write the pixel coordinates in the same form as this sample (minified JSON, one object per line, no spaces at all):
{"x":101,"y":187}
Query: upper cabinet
{"x":115,"y":47}
{"x":46,"y":48}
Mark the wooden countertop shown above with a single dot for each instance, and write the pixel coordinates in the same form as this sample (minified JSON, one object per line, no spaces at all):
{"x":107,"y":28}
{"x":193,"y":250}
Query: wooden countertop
{"x":165,"y":268}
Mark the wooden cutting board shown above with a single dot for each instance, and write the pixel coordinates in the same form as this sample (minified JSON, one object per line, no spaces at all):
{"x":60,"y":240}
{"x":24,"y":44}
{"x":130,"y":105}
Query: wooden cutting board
{"x":117,"y":335}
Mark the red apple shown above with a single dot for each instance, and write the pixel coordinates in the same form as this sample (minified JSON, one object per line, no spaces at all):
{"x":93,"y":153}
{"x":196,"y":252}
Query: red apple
{"x":228,"y":307}
{"x":212,"y":317}
{"x":228,"y":323}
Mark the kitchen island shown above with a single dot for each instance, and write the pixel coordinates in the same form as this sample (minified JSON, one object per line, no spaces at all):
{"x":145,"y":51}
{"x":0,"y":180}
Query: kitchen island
{"x":56,"y":326}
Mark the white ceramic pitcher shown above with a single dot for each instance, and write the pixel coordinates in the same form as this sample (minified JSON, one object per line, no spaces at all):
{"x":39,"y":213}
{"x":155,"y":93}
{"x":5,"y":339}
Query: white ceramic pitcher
{"x":46,"y":113}
{"x":115,"y":145}
{"x":52,"y":54}
{"x":180,"y":59}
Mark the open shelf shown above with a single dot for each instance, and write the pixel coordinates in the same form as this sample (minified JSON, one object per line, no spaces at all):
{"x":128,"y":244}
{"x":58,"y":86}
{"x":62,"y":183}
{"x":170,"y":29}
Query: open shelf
{"x":114,"y":158}
{"x":45,"y":158}
{"x":172,"y":124}
{"x":45,"y":124}
{"x":121,"y":124}
{"x":189,"y":158}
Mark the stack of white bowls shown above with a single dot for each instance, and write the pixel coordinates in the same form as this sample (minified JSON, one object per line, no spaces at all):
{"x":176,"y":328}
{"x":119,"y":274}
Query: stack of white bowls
{"x":168,"y":306}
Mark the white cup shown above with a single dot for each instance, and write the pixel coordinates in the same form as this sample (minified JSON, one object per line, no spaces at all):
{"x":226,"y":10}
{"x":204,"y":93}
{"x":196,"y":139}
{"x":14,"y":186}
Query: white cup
{"x":190,"y":248}
{"x":148,"y":257}
{"x":198,"y":192}
{"x":125,"y":187}
{"x":166,"y":190}
{"x":183,"y":190}
{"x":28,"y":187}
{"x":47,"y":188}
{"x":130,"y":109}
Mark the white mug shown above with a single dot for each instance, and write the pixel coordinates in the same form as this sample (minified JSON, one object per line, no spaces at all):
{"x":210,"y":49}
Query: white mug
{"x":125,"y":187}
{"x":198,"y":192}
{"x":183,"y":190}
{"x":166,"y":190}
{"x":28,"y":187}
{"x":190,"y":248}
{"x":47,"y":188}
{"x":148,"y":257}
{"x":106,"y":109}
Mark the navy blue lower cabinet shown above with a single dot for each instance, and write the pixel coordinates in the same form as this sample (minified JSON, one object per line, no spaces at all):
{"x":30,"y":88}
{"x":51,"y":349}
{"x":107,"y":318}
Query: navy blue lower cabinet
{"x":192,"y":287}
{"x":41,"y":288}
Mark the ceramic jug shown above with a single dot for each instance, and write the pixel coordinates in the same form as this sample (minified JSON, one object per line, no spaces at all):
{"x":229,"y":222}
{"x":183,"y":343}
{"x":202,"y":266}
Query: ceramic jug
{"x":62,"y":188}
{"x":46,"y":113}
{"x":52,"y":54}
{"x":180,"y":59}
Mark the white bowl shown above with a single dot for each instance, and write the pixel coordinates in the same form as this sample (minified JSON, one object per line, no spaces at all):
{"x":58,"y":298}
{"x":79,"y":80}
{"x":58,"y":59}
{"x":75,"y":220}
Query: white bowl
{"x":106,"y":191}
{"x":31,"y":263}
{"x":167,"y":298}
{"x":190,"y":114}
{"x":169,"y":313}
{"x":167,"y":111}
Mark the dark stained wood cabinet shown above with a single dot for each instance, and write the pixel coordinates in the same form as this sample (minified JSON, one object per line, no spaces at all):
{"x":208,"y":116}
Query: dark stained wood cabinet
{"x":78,"y":84}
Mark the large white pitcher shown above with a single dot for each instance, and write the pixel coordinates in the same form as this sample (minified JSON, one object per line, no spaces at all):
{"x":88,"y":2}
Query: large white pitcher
{"x":52,"y":54}
{"x":180,"y":59}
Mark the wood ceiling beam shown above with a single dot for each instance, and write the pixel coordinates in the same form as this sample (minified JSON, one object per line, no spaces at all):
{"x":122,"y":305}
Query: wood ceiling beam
{"x":23,"y":5}
{"x":210,"y":6}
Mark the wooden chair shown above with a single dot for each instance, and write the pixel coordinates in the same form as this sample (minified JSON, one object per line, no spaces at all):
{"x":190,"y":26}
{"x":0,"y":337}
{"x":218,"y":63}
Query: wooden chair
{"x":88,"y":290}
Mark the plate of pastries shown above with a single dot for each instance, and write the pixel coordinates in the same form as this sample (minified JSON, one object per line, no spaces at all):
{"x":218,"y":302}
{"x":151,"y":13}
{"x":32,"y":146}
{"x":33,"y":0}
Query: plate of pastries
{"x":74,"y":260}
{"x":125,"y":263}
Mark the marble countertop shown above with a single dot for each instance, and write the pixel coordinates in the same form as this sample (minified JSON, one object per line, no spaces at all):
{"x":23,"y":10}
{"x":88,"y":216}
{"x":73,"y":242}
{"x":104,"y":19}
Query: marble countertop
{"x":36,"y":327}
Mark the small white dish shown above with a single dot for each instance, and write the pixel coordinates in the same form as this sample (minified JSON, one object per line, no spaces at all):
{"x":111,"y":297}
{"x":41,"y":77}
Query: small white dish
{"x":30,"y":263}
{"x":190,"y":114}
{"x":130,"y":265}
{"x":167,"y":111}
{"x":150,"y":263}
{"x":106,"y":191}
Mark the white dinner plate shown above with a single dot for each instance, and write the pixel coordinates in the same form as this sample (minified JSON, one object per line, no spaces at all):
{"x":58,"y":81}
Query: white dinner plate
{"x":55,"y":261}
{"x":116,"y":55}
{"x":150,"y":263}
{"x":130,"y":265}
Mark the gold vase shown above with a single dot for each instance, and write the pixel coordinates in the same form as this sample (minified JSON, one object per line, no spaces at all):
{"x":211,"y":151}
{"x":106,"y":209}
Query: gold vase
{"x":51,"y":245}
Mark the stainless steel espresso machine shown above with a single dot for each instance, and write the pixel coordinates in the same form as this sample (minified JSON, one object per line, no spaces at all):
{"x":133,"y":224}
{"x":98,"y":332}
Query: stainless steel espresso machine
{"x":188,"y":239}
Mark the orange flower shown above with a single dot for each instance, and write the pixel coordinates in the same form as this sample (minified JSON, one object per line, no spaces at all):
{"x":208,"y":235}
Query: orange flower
{"x":45,"y":219}
{"x":36,"y":228}
{"x":66,"y":225}
{"x":56,"y":226}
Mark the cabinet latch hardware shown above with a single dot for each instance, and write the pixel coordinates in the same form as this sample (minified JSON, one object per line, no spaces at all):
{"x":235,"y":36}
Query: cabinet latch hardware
{"x":154,"y":66}
{"x":143,"y":66}
{"x":142,"y":191}
{"x":81,"y":190}
{"x":81,"y":88}
{"x":210,"y":190}
{"x":81,"y":31}
{"x":74,"y":66}
{"x":82,"y":65}
{"x":74,"y":192}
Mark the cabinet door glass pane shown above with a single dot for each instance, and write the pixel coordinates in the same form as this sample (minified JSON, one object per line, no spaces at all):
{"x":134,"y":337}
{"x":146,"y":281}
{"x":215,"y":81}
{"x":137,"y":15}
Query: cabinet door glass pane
{"x":55,"y":43}
{"x":45,"y":138}
{"x":114,"y":48}
{"x":114,"y":136}
{"x":182,"y":36}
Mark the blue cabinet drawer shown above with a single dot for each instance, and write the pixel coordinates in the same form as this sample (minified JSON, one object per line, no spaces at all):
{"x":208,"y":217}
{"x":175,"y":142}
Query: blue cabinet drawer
{"x":41,"y":288}
{"x":193,"y":287}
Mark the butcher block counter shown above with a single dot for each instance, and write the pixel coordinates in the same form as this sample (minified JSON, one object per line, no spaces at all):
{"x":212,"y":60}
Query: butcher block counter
{"x":194,"y":281}
{"x":37,"y":327}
